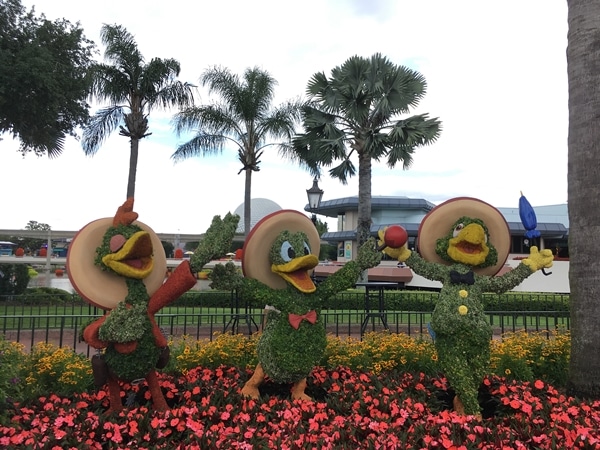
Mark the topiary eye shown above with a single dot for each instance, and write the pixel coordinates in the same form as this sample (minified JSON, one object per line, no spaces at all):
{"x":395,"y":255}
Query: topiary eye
{"x":306,"y":248}
{"x":116,"y":242}
{"x":457,"y":229}
{"x":287,"y":252}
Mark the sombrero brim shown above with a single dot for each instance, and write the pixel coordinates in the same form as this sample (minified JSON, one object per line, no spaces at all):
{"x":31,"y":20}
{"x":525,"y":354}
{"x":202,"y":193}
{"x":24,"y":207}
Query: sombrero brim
{"x":102,"y":288}
{"x":255,"y":256}
{"x":437,"y":223}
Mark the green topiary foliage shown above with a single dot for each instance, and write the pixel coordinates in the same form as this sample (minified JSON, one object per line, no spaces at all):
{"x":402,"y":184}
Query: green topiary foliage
{"x":285,"y":353}
{"x":139,"y":363}
{"x":289,"y":360}
{"x":14,"y":279}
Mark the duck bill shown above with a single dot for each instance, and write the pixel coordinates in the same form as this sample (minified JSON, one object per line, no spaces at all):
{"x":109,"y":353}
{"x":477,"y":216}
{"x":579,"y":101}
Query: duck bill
{"x":297,"y":272}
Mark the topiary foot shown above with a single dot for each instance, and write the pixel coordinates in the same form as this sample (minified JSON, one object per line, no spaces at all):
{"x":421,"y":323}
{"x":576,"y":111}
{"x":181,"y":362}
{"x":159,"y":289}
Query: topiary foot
{"x":298,"y":391}
{"x":250,"y":389}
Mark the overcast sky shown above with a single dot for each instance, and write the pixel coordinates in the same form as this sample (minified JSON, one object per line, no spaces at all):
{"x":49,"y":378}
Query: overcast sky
{"x":496,"y":75}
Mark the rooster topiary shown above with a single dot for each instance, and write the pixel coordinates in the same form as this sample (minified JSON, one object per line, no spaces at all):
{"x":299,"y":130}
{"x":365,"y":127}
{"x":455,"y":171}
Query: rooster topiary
{"x":125,"y":278}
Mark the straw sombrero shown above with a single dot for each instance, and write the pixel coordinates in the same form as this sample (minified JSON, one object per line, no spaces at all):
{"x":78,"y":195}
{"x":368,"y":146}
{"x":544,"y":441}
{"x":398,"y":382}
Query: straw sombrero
{"x":255,"y":256}
{"x":98,"y":287}
{"x":437,"y":223}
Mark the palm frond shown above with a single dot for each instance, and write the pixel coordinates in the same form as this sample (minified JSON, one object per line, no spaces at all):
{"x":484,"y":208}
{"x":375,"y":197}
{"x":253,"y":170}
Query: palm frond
{"x":343,"y":171}
{"x":100,"y":126}
{"x":209,"y":119}
{"x":121,"y":48}
{"x":201,"y":144}
{"x":400,"y":153}
{"x":282,"y":121}
{"x":109,"y":84}
{"x":177,"y":94}
{"x":415,"y":131}
{"x":221,"y":81}
{"x":299,"y":156}
{"x":46,"y":141}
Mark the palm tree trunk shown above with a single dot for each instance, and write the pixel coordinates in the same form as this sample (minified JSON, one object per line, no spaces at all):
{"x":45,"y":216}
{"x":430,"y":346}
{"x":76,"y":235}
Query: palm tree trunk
{"x":247,"y":201}
{"x":363,"y":229}
{"x":133,"y":159}
{"x":584,"y":196}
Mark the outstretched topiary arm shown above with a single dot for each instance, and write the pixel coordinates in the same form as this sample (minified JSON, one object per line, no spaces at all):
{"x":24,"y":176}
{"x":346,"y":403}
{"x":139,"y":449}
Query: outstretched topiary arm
{"x":259,"y":294}
{"x":216,"y":241}
{"x":346,"y":277}
{"x":431,"y":271}
{"x":535,"y":261}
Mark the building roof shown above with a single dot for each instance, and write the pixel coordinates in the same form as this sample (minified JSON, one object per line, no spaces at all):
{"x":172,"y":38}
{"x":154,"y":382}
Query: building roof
{"x":547,"y":230}
{"x":550,"y":228}
{"x":332,"y":208}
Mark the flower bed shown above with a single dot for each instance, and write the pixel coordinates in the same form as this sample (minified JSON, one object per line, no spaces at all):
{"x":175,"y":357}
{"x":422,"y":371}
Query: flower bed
{"x":383,"y":392}
{"x":351,"y":410}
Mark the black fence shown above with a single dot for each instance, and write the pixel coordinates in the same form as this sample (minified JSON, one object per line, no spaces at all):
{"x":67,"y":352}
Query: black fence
{"x":65,"y":330}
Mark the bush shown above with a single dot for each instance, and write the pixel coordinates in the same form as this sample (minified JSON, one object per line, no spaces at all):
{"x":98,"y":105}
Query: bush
{"x":50,"y":369}
{"x":12,"y":359}
{"x":58,"y":370}
{"x":14,"y":279}
{"x":529,"y":356}
{"x":227,"y":349}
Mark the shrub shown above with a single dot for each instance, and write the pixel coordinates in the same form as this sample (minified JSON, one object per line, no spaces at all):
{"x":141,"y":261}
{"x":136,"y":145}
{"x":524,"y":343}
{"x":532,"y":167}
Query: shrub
{"x":380,"y":352}
{"x":529,"y":356}
{"x":12,"y":359}
{"x":50,"y":369}
{"x":14,"y":279}
{"x":227,"y":349}
{"x":58,"y":370}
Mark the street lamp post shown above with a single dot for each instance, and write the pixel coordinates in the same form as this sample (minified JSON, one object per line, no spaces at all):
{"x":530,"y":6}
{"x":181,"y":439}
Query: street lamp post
{"x":314,"y":194}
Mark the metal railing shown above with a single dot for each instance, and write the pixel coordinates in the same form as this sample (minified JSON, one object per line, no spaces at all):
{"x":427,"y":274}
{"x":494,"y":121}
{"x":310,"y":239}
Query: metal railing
{"x":64,"y":330}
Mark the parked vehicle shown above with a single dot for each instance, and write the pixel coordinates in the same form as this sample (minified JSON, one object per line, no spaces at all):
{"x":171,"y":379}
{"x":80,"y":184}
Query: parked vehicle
{"x":7,"y":248}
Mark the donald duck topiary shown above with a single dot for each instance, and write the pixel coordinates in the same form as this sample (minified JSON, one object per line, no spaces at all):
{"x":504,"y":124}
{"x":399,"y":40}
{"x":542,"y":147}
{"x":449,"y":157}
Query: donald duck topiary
{"x":463,"y":243}
{"x":119,"y":265}
{"x":278,"y":256}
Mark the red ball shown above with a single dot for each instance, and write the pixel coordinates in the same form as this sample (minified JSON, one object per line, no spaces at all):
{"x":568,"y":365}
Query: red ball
{"x":395,"y":236}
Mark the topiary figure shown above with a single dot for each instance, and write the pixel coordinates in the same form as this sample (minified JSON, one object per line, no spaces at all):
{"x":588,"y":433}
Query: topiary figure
{"x":278,"y":257}
{"x":119,"y":265}
{"x":463,"y":243}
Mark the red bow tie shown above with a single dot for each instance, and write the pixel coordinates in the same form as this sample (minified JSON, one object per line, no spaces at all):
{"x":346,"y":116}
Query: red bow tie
{"x":295,"y":319}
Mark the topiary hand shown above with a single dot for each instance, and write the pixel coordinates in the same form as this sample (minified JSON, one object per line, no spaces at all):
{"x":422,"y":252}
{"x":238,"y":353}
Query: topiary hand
{"x":216,"y":241}
{"x":539,"y":260}
{"x":401,"y":253}
{"x":368,"y":256}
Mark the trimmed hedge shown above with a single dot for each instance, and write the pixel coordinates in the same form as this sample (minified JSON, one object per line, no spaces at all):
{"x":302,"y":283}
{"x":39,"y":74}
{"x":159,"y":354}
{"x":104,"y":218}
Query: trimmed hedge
{"x":404,"y":300}
{"x":394,"y":300}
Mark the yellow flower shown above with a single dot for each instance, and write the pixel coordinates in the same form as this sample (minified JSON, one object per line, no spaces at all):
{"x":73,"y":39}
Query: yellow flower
{"x":462,"y":310}
{"x":463,"y":293}
{"x":507,"y":371}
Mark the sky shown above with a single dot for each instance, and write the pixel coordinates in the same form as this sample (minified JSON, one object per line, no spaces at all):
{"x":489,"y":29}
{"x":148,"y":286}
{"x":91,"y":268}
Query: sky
{"x":496,"y":78}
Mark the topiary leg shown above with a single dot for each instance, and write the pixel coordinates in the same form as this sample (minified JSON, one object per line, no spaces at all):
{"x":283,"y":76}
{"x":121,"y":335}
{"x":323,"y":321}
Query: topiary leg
{"x":114,"y":395}
{"x":298,"y":390}
{"x":158,"y":399}
{"x":250,"y":389}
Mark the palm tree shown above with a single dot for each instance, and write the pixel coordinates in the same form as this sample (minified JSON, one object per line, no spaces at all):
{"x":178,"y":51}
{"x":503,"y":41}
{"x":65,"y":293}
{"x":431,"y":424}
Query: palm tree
{"x":354,"y":113}
{"x":584,"y":203}
{"x":244,"y":118}
{"x":133,"y":88}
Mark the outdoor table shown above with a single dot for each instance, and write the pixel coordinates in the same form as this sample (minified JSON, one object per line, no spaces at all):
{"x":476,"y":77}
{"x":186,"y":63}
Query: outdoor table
{"x":374,"y":291}
{"x":239,"y":312}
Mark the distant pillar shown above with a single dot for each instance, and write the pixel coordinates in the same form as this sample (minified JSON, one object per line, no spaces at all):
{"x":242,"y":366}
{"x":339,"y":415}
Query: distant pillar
{"x":48,"y":256}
